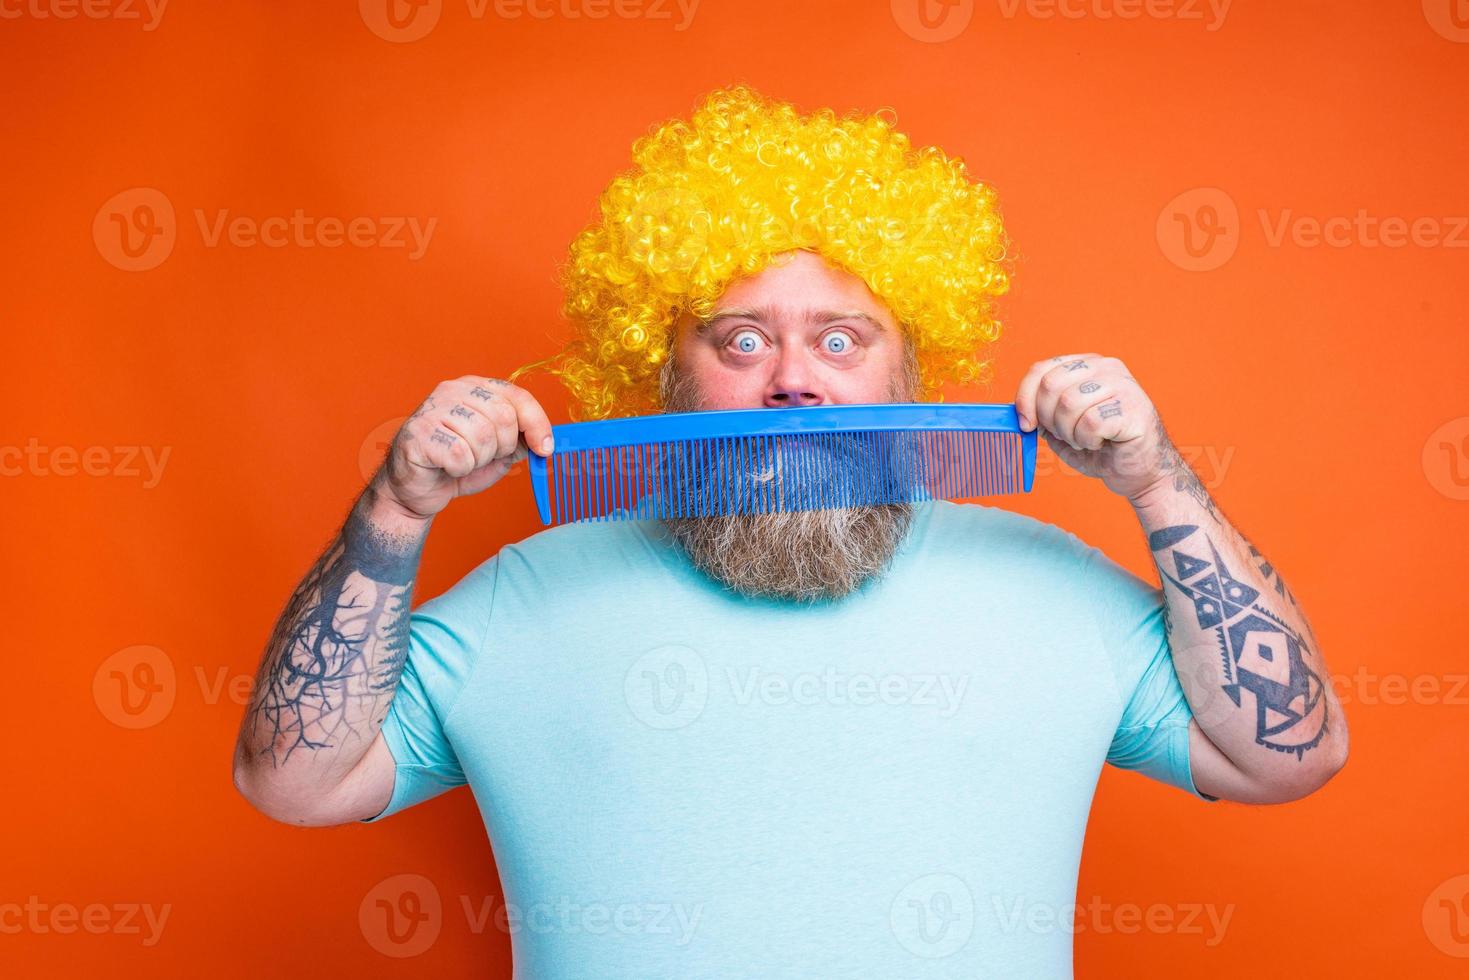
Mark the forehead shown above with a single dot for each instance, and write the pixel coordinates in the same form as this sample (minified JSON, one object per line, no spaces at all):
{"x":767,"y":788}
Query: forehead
{"x":801,"y":287}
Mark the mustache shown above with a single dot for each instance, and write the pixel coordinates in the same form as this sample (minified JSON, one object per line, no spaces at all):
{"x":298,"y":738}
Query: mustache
{"x":762,"y":474}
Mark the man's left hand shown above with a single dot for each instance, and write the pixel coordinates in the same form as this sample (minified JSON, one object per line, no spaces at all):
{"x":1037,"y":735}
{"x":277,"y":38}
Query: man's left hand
{"x":1097,"y":419}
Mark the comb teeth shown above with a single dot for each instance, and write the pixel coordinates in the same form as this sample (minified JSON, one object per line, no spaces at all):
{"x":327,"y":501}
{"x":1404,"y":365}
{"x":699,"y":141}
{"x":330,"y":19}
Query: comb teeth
{"x":760,"y":474}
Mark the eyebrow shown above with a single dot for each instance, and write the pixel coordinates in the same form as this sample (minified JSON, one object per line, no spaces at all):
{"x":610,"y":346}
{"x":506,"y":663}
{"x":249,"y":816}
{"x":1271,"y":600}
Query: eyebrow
{"x":764,"y":314}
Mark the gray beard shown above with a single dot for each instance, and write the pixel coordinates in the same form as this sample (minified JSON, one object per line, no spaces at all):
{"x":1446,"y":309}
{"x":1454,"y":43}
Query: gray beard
{"x":805,"y":556}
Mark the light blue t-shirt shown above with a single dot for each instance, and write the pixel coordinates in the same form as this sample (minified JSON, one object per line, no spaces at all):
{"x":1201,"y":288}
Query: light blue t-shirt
{"x":679,"y":781}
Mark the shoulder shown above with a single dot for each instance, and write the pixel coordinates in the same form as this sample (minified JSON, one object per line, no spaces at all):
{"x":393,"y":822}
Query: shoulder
{"x":1002,"y":534}
{"x":586,"y":554}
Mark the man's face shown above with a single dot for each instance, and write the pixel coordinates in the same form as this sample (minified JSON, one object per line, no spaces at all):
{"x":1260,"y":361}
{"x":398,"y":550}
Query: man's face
{"x":800,"y":333}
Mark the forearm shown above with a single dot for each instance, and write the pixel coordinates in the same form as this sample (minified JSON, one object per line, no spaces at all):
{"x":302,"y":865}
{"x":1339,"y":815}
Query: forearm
{"x":1245,"y":654}
{"x":333,"y":660}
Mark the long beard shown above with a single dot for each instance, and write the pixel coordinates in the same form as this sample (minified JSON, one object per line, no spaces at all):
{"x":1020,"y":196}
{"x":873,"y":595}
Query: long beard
{"x":803,"y":555}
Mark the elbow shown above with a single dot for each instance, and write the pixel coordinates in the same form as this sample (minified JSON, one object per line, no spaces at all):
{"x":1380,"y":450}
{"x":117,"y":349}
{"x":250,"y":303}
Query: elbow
{"x":255,"y":789}
{"x":266,"y":797}
{"x":299,"y":797}
{"x":1312,"y":775}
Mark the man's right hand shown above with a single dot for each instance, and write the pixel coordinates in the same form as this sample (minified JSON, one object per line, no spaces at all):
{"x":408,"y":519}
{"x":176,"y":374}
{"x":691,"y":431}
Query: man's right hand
{"x":463,"y":438}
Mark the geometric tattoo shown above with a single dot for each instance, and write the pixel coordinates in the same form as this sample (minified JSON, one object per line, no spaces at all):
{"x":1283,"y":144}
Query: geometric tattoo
{"x":1263,"y":658}
{"x":336,"y":653}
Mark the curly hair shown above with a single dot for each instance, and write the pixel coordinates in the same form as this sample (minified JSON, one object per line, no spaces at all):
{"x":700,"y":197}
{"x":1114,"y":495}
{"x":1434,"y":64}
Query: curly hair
{"x":714,"y":198}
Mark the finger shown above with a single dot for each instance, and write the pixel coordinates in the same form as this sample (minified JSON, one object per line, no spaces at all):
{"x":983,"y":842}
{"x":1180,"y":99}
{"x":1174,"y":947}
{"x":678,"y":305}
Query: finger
{"x":1026,"y":392}
{"x":1064,"y":452}
{"x":446,"y":449}
{"x":1073,"y":405}
{"x":489,"y":474}
{"x":506,"y":424}
{"x":1054,"y":382}
{"x":476,"y":429}
{"x":530,"y":416}
{"x":1102,"y":422}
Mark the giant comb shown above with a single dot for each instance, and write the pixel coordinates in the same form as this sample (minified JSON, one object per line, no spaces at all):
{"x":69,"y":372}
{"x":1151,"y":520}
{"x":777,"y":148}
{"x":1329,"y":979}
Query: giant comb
{"x":751,"y":461}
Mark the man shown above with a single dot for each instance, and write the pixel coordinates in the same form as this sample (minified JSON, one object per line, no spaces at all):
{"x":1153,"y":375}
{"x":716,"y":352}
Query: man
{"x":848,"y":742}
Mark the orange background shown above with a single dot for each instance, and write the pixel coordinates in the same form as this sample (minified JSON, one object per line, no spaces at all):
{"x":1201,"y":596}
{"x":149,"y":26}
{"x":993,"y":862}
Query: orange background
{"x":1322,"y":374}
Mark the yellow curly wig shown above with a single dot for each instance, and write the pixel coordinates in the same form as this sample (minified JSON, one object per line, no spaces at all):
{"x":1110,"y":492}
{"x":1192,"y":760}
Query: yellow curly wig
{"x":714,"y":198}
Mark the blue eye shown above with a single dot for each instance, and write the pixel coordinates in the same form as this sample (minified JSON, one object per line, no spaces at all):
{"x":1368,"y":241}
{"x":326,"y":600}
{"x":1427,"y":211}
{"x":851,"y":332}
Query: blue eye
{"x":747,"y":341}
{"x":837,"y":343}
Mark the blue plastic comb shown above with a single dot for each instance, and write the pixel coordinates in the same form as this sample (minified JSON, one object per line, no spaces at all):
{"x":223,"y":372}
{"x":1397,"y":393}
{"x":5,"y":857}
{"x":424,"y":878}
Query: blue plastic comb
{"x":749,"y":461}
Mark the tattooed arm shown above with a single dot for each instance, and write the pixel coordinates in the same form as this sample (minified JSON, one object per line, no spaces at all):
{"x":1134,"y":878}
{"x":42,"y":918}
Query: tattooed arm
{"x":310,"y":749}
{"x":1267,"y":726}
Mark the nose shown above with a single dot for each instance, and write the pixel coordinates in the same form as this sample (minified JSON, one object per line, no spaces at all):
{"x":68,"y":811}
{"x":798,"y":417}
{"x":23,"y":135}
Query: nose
{"x":793,"y":384}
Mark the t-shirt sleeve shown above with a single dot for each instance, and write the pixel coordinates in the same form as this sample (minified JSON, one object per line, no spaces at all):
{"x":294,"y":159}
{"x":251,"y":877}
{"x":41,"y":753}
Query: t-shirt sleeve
{"x":445,"y":636}
{"x":1153,"y":734}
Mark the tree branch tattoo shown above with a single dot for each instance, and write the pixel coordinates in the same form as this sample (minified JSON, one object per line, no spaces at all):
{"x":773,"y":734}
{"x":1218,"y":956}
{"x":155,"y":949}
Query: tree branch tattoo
{"x":338,"y":649}
{"x":1185,"y":480}
{"x":1263,"y":658}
